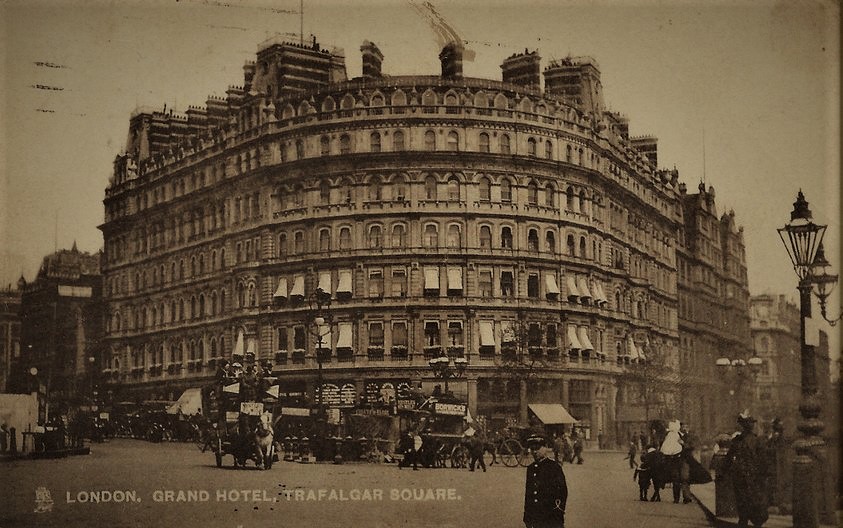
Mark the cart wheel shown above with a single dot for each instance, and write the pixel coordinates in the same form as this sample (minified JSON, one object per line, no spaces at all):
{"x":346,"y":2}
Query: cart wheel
{"x":218,"y":456}
{"x":524,"y":458}
{"x":510,"y":452}
{"x":459,"y":457}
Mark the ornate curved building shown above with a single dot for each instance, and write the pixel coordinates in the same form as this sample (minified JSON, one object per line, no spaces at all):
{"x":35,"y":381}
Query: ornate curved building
{"x":518,"y":228}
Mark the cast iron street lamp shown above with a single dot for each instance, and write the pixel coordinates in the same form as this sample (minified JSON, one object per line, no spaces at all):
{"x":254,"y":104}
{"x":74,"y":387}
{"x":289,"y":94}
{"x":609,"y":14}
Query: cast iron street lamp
{"x":743,"y":369}
{"x":802,"y":239}
{"x":319,"y":326}
{"x":444,"y":368}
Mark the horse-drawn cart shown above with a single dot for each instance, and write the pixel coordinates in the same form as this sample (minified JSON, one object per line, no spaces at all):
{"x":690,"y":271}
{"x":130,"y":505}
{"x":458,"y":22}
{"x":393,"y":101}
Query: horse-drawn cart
{"x":245,"y":435}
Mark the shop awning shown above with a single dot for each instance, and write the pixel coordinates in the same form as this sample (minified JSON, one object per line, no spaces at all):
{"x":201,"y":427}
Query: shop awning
{"x":344,"y":340}
{"x":631,"y":349}
{"x":454,"y":278}
{"x":551,"y":413}
{"x":325,"y":282}
{"x":239,"y":346}
{"x":599,"y":295}
{"x":431,"y":278}
{"x":573,"y":342}
{"x":582,"y":286}
{"x":550,"y":284}
{"x":584,"y":340}
{"x":190,"y":402}
{"x":344,"y":285}
{"x":281,"y":290}
{"x":487,"y":334}
{"x":572,"y":286}
{"x":298,"y":286}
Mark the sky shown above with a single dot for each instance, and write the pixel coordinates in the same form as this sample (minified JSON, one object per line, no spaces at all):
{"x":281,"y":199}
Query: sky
{"x":743,"y":95}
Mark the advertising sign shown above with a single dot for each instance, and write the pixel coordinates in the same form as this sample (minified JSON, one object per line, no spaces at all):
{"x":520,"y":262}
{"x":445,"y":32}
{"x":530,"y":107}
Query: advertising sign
{"x":453,"y":409}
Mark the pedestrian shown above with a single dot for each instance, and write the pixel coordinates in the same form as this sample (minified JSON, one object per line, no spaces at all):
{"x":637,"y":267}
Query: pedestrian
{"x":746,"y":463}
{"x":546,"y":492}
{"x":644,"y":473}
{"x":4,"y":432}
{"x":476,"y":448}
{"x":578,"y":447}
{"x":633,"y":452}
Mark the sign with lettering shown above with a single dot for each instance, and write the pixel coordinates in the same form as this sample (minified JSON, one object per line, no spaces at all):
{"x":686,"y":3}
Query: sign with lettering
{"x":75,"y":291}
{"x":251,"y":408}
{"x":348,"y":395}
{"x":453,"y":409}
{"x":404,"y":403}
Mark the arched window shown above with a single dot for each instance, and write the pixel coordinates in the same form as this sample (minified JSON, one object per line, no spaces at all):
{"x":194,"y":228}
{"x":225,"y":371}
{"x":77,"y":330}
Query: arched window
{"x":572,"y":250}
{"x":397,"y":140}
{"x":485,"y":237}
{"x":454,"y":238}
{"x":345,"y":191}
{"x":201,"y":306}
{"x":453,"y":189}
{"x":214,"y":303}
{"x":375,"y":142}
{"x":399,"y":236}
{"x":569,"y":199}
{"x":222,"y":302}
{"x":428,"y":98}
{"x":222,"y":258}
{"x":505,"y":144}
{"x":531,"y":147}
{"x":533,"y":240}
{"x":550,"y":195}
{"x":430,"y":140}
{"x":581,"y":156}
{"x":485,"y":189}
{"x":568,"y":153}
{"x":375,"y":236}
{"x":324,"y":239}
{"x":251,"y":292}
{"x":345,"y":144}
{"x":483,"y":143}
{"x":299,"y":149}
{"x":298,"y":241}
{"x":550,"y":242}
{"x":399,"y":190}
{"x":582,"y":247}
{"x":430,"y":185}
{"x":325,"y":145}
{"x":506,"y":237}
{"x":506,"y":190}
{"x":431,"y":236}
{"x":375,"y":189}
{"x":532,"y":193}
{"x":345,"y":238}
{"x":325,"y":192}
{"x":194,"y":312}
{"x":282,"y":245}
{"x":548,"y":149}
{"x":453,"y":141}
{"x":583,"y":203}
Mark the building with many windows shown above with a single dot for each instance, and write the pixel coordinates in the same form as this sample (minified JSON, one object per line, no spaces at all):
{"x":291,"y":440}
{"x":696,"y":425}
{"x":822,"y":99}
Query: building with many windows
{"x":9,"y":333}
{"x":518,"y":228}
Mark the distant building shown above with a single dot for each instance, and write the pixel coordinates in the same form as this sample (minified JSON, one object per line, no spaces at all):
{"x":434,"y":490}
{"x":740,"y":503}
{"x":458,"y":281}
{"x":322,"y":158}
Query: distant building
{"x":61,"y":328}
{"x":9,"y":333}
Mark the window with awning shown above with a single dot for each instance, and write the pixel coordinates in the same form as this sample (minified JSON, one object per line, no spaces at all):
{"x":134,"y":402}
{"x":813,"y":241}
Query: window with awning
{"x":573,"y":341}
{"x":599,"y":294}
{"x":281,"y":291}
{"x":431,"y":280}
{"x":631,"y":349}
{"x":487,"y":334}
{"x":571,"y":282}
{"x":344,"y":285}
{"x":454,"y":280}
{"x":344,"y":339}
{"x":584,"y":340}
{"x":325,"y":282}
{"x":399,"y":333}
{"x":298,"y":287}
{"x":550,"y":286}
{"x":582,"y":286}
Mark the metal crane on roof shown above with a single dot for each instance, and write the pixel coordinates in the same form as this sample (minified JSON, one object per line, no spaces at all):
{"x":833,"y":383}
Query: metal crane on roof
{"x":445,"y":33}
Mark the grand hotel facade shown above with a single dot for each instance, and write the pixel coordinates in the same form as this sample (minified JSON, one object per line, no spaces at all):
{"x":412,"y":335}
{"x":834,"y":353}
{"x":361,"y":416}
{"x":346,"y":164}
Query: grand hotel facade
{"x":521,"y":229}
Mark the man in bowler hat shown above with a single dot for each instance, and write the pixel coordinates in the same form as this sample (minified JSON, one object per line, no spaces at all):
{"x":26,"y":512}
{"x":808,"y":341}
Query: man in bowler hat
{"x":546,"y":492}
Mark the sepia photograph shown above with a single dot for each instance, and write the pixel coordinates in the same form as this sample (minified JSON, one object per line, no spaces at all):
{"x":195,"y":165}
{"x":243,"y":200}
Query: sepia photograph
{"x":420,"y":263}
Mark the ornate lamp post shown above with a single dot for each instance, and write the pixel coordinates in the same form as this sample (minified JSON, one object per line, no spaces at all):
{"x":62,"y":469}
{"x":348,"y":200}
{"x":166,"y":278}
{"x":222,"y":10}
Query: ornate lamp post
{"x":444,"y":368}
{"x":319,"y":322}
{"x":743,"y":369}
{"x":802,"y":239}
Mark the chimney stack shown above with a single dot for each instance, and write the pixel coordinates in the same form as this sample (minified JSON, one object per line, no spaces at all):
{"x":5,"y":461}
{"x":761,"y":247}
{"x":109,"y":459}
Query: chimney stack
{"x":451,"y":58}
{"x":372,"y":59}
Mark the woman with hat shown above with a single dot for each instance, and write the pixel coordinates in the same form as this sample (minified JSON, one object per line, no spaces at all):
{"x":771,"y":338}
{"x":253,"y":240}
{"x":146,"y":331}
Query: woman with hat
{"x":546,"y":491}
{"x":746,"y":463}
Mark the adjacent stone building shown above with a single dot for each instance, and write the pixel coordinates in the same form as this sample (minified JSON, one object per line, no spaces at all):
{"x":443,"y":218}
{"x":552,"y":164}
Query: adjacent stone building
{"x":519,"y":229}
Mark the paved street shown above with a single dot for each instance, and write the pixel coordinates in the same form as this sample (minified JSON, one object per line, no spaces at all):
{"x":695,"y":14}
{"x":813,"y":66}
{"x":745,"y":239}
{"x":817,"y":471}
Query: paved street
{"x":602,"y":493}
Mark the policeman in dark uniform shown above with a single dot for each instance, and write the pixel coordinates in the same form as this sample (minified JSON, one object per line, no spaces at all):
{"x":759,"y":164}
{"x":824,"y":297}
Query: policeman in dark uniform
{"x":546,"y":492}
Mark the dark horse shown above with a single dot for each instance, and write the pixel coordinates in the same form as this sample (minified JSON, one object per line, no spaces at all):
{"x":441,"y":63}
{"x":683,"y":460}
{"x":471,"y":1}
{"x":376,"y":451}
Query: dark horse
{"x":658,"y":469}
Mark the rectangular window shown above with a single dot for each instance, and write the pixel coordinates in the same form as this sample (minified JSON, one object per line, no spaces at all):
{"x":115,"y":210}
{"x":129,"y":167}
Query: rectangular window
{"x":399,"y":334}
{"x":454,"y":281}
{"x":431,"y":334}
{"x":533,"y":285}
{"x":376,"y":283}
{"x":431,"y":282}
{"x":376,"y":335}
{"x":283,"y":342}
{"x":299,"y":338}
{"x":399,"y":283}
{"x":344,"y":286}
{"x":487,"y":338}
{"x":484,"y":283}
{"x":507,"y":284}
{"x":455,"y":338}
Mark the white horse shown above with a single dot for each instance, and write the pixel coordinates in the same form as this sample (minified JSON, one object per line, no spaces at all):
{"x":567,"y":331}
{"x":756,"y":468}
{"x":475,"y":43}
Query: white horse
{"x":265,"y":442}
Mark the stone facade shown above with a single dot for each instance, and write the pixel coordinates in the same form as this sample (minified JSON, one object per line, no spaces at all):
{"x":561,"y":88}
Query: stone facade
{"x":445,"y":215}
{"x":9,"y":334}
